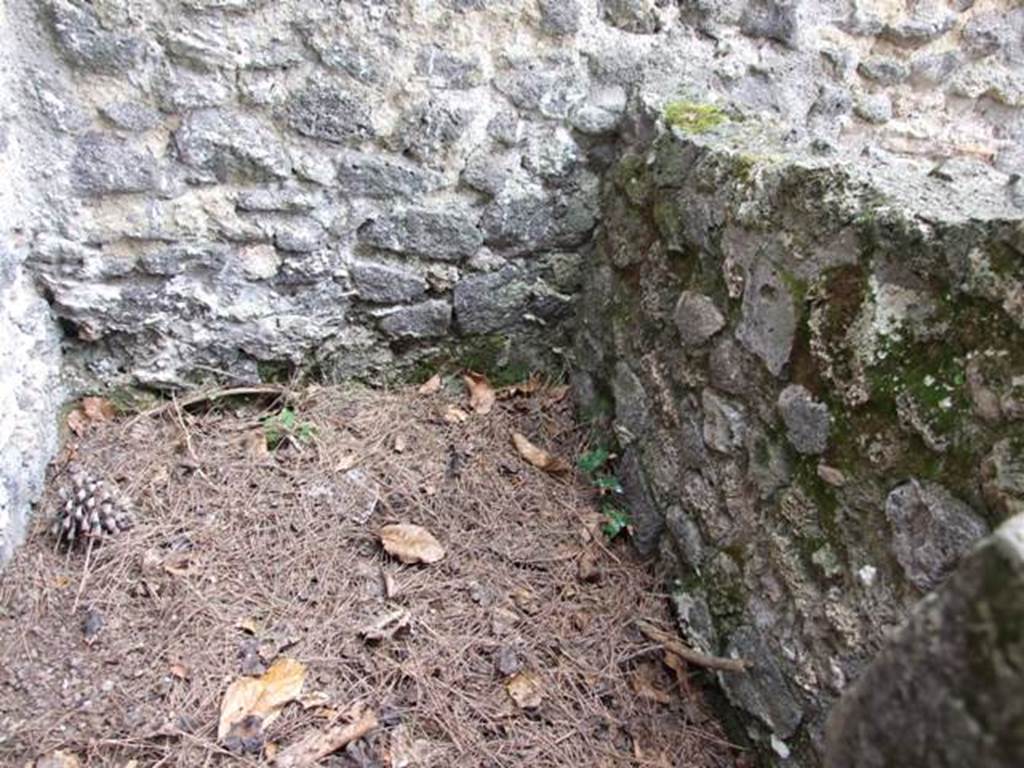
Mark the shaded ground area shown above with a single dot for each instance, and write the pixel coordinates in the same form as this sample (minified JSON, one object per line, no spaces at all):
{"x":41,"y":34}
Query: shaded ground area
{"x":242,"y":555}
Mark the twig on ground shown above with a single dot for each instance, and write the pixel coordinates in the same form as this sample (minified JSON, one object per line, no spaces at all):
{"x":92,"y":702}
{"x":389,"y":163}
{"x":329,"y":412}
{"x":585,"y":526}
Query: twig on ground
{"x":672,"y":645}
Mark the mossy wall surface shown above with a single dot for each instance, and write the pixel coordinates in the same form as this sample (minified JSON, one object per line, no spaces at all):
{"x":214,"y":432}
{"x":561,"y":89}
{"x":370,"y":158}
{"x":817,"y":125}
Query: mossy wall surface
{"x":818,"y":388}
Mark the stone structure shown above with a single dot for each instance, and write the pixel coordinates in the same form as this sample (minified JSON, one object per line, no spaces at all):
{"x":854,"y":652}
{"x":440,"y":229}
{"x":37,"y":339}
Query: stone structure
{"x":235,"y":190}
{"x":946,"y":689}
{"x":814,"y":363}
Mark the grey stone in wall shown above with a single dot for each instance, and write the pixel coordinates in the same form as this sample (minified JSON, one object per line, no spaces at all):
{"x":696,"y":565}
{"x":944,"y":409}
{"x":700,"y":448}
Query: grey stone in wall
{"x":447,"y":234}
{"x":106,"y":165}
{"x":930,"y":531}
{"x":945,"y":689}
{"x":231,"y":143}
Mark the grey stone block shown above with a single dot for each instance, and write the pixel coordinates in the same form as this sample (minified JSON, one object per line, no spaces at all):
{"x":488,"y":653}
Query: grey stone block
{"x":105,"y":165}
{"x":385,"y":283}
{"x":807,"y":420}
{"x":931,"y":530}
{"x":131,"y":116}
{"x":231,"y":144}
{"x":768,"y":324}
{"x":945,"y":690}
{"x":492,"y":302}
{"x":329,"y":111}
{"x":85,"y":43}
{"x":446,"y":235}
{"x":380,"y":177}
{"x":428,"y":319}
{"x":697,"y":318}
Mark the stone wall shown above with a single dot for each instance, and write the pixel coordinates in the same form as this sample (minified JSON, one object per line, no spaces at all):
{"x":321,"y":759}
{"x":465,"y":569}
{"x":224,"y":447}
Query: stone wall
{"x":814,"y":365}
{"x":240,"y":188}
{"x":946,"y":690}
{"x":30,"y":393}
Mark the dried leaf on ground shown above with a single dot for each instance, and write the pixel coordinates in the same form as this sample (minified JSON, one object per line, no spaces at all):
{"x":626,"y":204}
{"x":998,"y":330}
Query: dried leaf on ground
{"x":77,"y":422}
{"x":539,"y":457}
{"x":385,"y":627}
{"x":454,"y":415}
{"x":315,"y":699}
{"x":521,"y":389}
{"x":642,"y":682}
{"x":180,"y":671}
{"x":254,"y":442}
{"x":431,"y":385}
{"x":316,"y":745}
{"x":411,"y":543}
{"x":346,"y":461}
{"x":98,"y":409}
{"x":481,"y":394}
{"x":526,"y":690}
{"x":261,"y":697}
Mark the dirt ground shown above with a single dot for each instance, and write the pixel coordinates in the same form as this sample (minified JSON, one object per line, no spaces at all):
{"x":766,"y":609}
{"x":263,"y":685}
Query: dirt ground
{"x":518,"y":648}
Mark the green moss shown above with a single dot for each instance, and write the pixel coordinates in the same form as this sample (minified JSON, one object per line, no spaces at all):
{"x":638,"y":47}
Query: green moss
{"x":694,"y":117}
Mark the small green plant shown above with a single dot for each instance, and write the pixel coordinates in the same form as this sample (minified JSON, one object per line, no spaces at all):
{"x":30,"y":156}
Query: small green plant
{"x":694,"y":117}
{"x":594,"y":464}
{"x":617,"y":520}
{"x":285,"y":427}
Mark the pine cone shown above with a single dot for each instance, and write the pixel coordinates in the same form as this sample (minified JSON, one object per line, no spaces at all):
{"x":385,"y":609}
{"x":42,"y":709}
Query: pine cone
{"x":89,"y":510}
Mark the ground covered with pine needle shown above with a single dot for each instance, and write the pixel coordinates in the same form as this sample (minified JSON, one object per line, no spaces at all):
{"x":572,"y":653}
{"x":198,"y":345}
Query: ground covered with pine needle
{"x":517,"y":648}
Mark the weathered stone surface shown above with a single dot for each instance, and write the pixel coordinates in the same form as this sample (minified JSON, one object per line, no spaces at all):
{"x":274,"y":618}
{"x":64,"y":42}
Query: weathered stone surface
{"x":105,"y":165}
{"x":768,"y":325}
{"x":372,"y":176}
{"x":724,"y":423}
{"x":446,"y":235}
{"x":697,"y":318}
{"x":777,"y":20}
{"x":559,"y":17}
{"x":945,"y":690}
{"x":931,"y":529}
{"x":429,"y":319}
{"x":1002,"y":475}
{"x":328,"y":111}
{"x":637,"y":16}
{"x":230,"y":143}
{"x":800,"y":559}
{"x":446,"y":69}
{"x":807,"y":420}
{"x":387,"y":283}
{"x":491,"y":302}
{"x":131,"y":116}
{"x":86,"y":43}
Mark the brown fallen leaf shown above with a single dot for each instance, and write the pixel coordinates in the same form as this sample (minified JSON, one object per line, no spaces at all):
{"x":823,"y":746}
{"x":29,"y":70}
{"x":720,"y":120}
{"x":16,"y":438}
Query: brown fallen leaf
{"x":315,"y":699}
{"x":180,"y":671}
{"x":431,"y":386}
{"x":411,"y":543}
{"x":261,"y":697}
{"x":526,"y":690}
{"x":522,"y":389}
{"x":539,"y":457}
{"x":98,"y":409}
{"x":77,"y":422}
{"x":316,"y":745}
{"x":254,"y":444}
{"x":455,"y":415}
{"x":249,"y":625}
{"x":481,"y":394}
{"x":346,"y":461}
